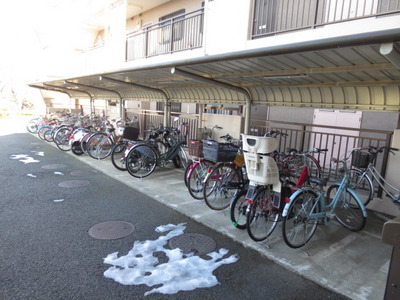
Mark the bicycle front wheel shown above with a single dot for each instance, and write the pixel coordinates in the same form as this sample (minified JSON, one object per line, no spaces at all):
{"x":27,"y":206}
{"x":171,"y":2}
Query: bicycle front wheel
{"x":118,"y":156}
{"x":348,"y":210}
{"x":61,"y":138}
{"x":262,"y":217}
{"x":298,"y":226}
{"x":141,"y":161}
{"x":362,"y":185}
{"x":220,"y":186}
{"x":99,"y":146}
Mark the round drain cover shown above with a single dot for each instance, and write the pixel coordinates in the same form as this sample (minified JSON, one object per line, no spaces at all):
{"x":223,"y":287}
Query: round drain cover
{"x":54,"y":166}
{"x":111,"y":230}
{"x":73,"y":183}
{"x":83,"y":172}
{"x":197,"y":243}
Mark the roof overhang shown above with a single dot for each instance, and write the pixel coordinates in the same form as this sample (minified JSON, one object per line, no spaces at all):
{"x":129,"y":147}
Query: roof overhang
{"x":359,"y":72}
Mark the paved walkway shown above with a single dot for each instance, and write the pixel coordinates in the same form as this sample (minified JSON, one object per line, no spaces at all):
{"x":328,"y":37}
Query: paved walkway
{"x":353,"y":264}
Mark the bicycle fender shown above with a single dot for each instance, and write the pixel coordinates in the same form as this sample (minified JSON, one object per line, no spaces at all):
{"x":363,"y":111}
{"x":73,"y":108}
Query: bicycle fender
{"x":292,"y":197}
{"x":354,"y":194}
{"x":195,"y":164}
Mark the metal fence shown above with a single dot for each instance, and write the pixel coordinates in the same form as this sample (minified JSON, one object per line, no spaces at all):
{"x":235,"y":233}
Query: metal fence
{"x":273,"y":16}
{"x":179,"y":33}
{"x":305,"y":136}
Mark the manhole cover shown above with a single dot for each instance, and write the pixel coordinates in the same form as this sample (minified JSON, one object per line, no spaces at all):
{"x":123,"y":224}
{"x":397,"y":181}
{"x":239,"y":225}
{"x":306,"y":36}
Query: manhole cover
{"x":53,"y":167}
{"x":111,"y":230}
{"x":83,"y":172}
{"x":73,"y":183}
{"x":197,"y":243}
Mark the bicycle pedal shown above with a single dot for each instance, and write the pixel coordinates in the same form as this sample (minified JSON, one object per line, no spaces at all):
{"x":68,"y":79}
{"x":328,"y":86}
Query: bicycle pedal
{"x":330,"y":215}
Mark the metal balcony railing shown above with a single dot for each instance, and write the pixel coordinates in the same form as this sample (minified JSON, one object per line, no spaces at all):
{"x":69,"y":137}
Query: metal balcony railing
{"x":179,"y":33}
{"x":275,"y":16}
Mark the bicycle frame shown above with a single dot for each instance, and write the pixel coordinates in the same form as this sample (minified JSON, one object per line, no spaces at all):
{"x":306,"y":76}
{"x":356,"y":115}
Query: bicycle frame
{"x":373,"y":172}
{"x":326,"y":210}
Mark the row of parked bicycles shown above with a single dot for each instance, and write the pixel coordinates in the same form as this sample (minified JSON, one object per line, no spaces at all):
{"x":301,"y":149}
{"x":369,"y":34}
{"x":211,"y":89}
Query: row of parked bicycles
{"x":100,"y":137}
{"x":263,"y":187}
{"x":259,"y":185}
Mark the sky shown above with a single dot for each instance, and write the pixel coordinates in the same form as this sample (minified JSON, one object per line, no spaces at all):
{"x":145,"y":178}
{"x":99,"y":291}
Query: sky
{"x":33,"y":33}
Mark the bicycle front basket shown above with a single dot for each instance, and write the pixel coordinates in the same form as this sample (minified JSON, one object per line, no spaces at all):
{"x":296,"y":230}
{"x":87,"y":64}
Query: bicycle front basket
{"x":361,"y":159}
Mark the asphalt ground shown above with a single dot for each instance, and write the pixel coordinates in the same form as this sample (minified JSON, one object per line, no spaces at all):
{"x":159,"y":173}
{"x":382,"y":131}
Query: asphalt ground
{"x":47,"y":253}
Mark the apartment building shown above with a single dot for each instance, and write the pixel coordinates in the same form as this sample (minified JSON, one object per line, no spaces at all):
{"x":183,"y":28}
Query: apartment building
{"x":242,"y":64}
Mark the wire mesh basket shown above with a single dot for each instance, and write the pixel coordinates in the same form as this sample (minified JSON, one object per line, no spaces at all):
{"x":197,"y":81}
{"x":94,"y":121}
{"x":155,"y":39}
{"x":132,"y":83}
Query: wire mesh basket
{"x":219,"y":152}
{"x":361,"y":159}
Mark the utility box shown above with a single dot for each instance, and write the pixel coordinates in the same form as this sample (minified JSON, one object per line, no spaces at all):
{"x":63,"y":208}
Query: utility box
{"x":391,"y":236}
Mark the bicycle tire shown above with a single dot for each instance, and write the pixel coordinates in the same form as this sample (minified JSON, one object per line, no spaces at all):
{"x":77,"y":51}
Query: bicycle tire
{"x":262,"y":217}
{"x":348,"y":210}
{"x":220,"y":186}
{"x":118,"y":155}
{"x":180,"y":160}
{"x":99,"y":145}
{"x":84,"y":141}
{"x":362,"y":184}
{"x":141,"y":161}
{"x":297,"y":229}
{"x":195,"y":181}
{"x":61,"y":139}
{"x":48,"y":135}
{"x":238,"y":209}
{"x":42,"y":131}
{"x":32,"y":126}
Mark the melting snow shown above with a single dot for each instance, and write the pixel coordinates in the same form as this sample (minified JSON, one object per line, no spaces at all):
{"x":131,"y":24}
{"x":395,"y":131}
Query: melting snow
{"x":38,"y":153}
{"x":58,"y":200}
{"x":31,"y":175}
{"x":182,"y":272}
{"x":58,"y":173}
{"x":24,"y":158}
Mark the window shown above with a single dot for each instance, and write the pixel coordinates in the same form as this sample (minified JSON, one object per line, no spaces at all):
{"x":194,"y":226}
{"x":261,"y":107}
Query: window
{"x":175,"y":106}
{"x":172,"y":26}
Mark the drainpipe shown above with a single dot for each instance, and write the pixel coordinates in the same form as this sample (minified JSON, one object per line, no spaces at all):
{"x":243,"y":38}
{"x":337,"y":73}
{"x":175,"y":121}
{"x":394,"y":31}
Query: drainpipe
{"x":222,"y":85}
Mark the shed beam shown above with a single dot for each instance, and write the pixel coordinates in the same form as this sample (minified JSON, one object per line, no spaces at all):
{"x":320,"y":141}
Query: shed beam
{"x":121,"y":111}
{"x":143,"y":87}
{"x":222,"y":85}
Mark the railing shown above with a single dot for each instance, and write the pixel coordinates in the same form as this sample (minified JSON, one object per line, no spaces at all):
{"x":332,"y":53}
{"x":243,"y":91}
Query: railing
{"x":179,"y":33}
{"x":305,"y":136}
{"x":274,"y":16}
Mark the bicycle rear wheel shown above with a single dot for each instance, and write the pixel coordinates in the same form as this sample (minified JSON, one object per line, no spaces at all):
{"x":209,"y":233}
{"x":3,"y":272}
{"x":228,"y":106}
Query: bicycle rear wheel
{"x":348,"y":211}
{"x":195,"y":181}
{"x":297,"y":227}
{"x":262,"y":217}
{"x":99,"y":146}
{"x":362,"y":185}
{"x":239,"y":207}
{"x":220,"y":186}
{"x":141,"y":161}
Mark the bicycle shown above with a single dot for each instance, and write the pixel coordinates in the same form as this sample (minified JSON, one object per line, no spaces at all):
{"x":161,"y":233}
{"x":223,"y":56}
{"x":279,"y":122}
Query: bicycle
{"x":258,"y":209}
{"x":196,"y":171}
{"x":143,"y":158}
{"x":364,"y":174}
{"x":227,"y":177}
{"x":310,"y":206}
{"x":240,"y":205}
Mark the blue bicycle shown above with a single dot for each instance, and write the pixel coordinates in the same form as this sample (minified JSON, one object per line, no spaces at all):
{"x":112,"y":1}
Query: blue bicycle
{"x":310,"y":206}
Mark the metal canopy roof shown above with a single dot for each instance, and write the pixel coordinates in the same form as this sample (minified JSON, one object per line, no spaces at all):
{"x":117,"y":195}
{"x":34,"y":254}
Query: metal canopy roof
{"x":350,"y":73}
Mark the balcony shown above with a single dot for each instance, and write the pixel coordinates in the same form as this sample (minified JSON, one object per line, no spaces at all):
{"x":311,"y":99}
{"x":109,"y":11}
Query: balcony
{"x":183,"y":32}
{"x":276,"y":16}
